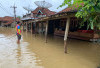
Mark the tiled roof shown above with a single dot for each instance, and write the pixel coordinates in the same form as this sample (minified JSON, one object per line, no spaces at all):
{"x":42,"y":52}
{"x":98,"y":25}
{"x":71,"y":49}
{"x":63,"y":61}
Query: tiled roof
{"x":70,"y":9}
{"x":45,"y":11}
{"x":8,"y":19}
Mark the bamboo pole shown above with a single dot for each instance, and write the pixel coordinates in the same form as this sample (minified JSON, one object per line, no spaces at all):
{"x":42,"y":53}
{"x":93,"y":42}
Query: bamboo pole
{"x":46,"y":31}
{"x":66,"y":34}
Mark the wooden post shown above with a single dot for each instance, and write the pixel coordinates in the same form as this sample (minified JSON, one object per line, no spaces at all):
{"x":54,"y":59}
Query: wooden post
{"x":66,"y":34}
{"x":26,"y":26}
{"x":35,"y":28}
{"x":23,"y":25}
{"x":31,"y":27}
{"x":42,"y":27}
{"x":46,"y":31}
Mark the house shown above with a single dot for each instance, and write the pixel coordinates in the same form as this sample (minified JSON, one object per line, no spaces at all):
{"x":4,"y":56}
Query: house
{"x":42,"y":12}
{"x":7,"y":21}
{"x":75,"y":31}
{"x":39,"y":12}
{"x":64,"y":23}
{"x":0,"y":20}
{"x":57,"y":25}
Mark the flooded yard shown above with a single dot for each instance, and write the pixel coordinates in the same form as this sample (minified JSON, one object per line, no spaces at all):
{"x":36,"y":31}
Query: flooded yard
{"x":33,"y":52}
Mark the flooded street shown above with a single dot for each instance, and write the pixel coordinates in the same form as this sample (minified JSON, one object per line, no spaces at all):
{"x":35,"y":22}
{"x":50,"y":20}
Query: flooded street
{"x":33,"y":52}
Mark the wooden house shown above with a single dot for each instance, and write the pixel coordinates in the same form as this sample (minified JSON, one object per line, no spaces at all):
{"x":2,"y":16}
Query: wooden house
{"x":39,"y":26}
{"x":75,"y":29}
{"x":57,"y":25}
{"x":64,"y":23}
{"x":7,"y":21}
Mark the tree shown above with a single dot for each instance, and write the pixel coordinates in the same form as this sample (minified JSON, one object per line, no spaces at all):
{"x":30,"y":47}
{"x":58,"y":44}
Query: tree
{"x":90,"y":11}
{"x":19,"y":17}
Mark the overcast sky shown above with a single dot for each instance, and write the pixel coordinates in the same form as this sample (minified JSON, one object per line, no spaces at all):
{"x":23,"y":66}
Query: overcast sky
{"x":6,"y":10}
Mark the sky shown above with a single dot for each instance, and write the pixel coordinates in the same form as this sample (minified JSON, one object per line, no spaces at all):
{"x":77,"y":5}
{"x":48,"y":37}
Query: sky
{"x":6,"y":10}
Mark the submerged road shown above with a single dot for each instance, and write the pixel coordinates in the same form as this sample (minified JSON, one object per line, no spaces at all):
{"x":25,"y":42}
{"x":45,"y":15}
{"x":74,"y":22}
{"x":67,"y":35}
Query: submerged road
{"x":33,"y":52}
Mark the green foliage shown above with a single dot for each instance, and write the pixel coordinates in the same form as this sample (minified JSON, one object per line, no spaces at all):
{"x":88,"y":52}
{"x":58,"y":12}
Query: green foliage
{"x":19,"y":17}
{"x":90,"y":12}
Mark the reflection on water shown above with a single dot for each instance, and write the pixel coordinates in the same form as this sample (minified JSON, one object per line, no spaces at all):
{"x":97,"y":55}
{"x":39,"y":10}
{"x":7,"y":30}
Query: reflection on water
{"x":18,"y":56}
{"x":14,"y":55}
{"x":33,"y":52}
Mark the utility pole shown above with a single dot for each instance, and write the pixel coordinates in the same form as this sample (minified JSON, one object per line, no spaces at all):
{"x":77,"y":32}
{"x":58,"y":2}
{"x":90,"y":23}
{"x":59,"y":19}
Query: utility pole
{"x":14,"y":7}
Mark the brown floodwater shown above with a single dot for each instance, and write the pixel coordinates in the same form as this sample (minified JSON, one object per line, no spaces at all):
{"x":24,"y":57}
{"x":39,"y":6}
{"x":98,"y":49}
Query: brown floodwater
{"x":33,"y":52}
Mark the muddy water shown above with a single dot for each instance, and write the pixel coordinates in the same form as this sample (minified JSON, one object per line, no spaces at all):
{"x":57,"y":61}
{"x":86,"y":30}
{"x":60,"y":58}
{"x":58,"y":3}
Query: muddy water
{"x":33,"y":52}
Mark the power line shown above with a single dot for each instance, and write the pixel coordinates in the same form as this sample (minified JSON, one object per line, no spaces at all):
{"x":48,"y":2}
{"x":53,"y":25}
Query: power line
{"x":4,"y":9}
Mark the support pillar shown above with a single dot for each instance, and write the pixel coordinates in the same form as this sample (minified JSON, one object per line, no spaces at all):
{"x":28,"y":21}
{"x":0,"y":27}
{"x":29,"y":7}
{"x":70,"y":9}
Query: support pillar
{"x":23,"y":26}
{"x":26,"y":26}
{"x":31,"y":27}
{"x":46,"y":31}
{"x":66,"y":34}
{"x":35,"y":28}
{"x":42,"y":26}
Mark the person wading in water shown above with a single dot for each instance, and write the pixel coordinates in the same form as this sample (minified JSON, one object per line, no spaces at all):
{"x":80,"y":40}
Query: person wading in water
{"x":18,"y":32}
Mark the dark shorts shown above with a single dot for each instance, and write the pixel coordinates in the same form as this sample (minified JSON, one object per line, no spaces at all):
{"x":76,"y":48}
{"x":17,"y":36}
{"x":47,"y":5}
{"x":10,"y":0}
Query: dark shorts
{"x":18,"y":36}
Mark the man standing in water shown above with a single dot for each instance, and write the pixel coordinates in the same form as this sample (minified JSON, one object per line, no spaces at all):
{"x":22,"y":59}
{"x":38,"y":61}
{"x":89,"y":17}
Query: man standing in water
{"x":18,"y":32}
